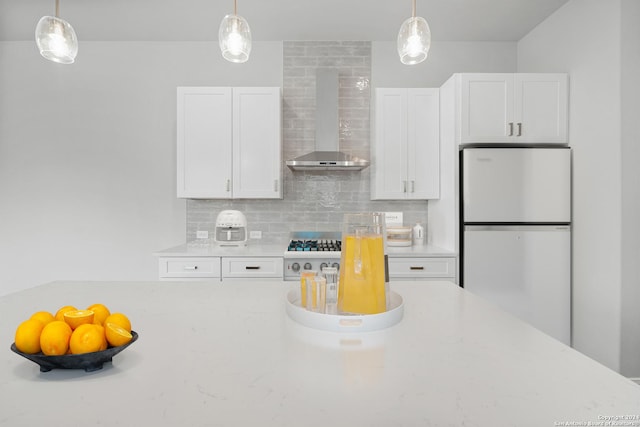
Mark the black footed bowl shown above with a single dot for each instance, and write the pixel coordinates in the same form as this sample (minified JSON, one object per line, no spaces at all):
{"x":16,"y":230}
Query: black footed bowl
{"x":87,"y":361}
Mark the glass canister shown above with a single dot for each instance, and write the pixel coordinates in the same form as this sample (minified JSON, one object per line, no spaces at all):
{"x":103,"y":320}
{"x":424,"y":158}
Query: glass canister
{"x":361,"y":288}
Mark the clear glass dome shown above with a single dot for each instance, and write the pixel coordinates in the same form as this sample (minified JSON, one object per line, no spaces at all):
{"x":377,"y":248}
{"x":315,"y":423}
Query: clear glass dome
{"x":56,"y":40}
{"x":414,"y":40}
{"x":235,"y":38}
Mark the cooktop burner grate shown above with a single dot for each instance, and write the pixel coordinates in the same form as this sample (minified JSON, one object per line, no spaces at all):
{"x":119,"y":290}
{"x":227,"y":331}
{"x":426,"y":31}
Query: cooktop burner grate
{"x":314,"y":241}
{"x":321,"y":245}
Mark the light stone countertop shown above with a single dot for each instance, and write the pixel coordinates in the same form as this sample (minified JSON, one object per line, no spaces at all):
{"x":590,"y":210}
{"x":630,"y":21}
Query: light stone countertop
{"x":255,"y":248}
{"x":208,"y":247}
{"x":227,"y":354}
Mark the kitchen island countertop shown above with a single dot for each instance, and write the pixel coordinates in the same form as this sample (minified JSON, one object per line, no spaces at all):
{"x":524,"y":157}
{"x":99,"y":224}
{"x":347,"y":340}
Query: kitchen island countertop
{"x":227,"y":354}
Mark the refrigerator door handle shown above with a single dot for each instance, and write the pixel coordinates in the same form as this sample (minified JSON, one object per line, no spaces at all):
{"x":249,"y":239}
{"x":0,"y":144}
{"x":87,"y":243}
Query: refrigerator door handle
{"x":533,"y":227}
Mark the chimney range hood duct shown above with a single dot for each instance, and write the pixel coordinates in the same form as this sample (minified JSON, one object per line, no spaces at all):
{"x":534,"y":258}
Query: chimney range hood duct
{"x":326,"y":155}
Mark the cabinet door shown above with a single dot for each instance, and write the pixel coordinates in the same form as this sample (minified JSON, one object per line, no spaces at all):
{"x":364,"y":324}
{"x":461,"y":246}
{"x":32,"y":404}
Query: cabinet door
{"x":389,"y":173}
{"x":423,"y":144}
{"x":257,"y":148}
{"x":487,"y":108}
{"x":541,"y":107}
{"x":203,"y":142}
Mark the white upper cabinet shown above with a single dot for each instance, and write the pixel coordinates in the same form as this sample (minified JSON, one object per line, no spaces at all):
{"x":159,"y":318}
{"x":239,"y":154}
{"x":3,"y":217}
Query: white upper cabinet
{"x":405,"y":144}
{"x":229,"y":143}
{"x":204,"y":142}
{"x":257,"y":148}
{"x":513,"y":108}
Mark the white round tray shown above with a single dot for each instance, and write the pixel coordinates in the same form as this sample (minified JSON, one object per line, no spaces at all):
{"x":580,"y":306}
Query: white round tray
{"x":345,"y":323}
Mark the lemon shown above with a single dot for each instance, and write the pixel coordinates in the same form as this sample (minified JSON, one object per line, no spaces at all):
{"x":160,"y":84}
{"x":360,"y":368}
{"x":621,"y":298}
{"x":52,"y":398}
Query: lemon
{"x":87,"y":338}
{"x":116,"y":334}
{"x":28,"y":336}
{"x":76,"y":318}
{"x":120,"y":320}
{"x":62,"y":310}
{"x":101,"y":312}
{"x":54,"y":339}
{"x":43,"y":316}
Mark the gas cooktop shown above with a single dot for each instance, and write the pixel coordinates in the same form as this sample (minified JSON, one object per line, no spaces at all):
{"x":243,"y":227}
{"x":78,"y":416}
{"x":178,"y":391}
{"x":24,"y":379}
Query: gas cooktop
{"x":311,"y":250}
{"x":314,"y":245}
{"x":314,"y":241}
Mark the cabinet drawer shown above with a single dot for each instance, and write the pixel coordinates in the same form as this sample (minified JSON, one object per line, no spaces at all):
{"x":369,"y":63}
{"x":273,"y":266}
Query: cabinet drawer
{"x":264,"y":267}
{"x":189,"y":267}
{"x":422,"y":267}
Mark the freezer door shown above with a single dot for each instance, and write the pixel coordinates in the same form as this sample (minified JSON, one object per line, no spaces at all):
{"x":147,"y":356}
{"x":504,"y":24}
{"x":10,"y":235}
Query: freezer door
{"x":523,"y":270}
{"x":516,"y":185}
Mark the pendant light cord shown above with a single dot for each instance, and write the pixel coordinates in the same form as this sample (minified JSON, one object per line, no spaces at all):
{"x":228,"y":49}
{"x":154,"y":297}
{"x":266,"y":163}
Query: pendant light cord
{"x":57,"y":8}
{"x":235,"y":7}
{"x":413,"y":13}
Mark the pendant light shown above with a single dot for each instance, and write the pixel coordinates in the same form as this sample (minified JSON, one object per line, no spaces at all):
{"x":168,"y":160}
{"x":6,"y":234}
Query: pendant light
{"x":235,"y":37}
{"x":56,"y":38}
{"x":414,"y":39}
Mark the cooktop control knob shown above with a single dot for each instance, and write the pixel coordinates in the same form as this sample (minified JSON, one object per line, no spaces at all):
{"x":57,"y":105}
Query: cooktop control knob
{"x":295,"y":267}
{"x":307,"y":266}
{"x":323,"y":265}
{"x":336,"y":265}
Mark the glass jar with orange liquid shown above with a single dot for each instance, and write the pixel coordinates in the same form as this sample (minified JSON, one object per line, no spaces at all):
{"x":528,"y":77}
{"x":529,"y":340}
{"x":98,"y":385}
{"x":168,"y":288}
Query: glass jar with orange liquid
{"x":361,"y":288}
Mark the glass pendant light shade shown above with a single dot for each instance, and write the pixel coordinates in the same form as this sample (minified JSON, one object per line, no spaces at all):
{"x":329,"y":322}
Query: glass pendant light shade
{"x":56,"y":38}
{"x":414,"y":40}
{"x":235,"y":38}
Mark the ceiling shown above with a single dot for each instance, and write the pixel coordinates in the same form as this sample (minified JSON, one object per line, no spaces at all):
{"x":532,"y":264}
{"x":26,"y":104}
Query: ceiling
{"x":276,"y":20}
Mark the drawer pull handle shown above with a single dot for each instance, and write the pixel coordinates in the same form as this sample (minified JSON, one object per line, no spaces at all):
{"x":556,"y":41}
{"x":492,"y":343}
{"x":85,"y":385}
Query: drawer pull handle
{"x":416,"y":268}
{"x":252,"y":267}
{"x":190,"y":267}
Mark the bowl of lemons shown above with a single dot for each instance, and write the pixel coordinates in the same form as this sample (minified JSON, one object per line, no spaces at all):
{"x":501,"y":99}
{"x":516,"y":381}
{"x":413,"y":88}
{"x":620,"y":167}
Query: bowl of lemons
{"x":73,"y":338}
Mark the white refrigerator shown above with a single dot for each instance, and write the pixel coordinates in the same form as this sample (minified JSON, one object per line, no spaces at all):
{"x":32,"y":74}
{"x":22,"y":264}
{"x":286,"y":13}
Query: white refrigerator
{"x":516,"y":237}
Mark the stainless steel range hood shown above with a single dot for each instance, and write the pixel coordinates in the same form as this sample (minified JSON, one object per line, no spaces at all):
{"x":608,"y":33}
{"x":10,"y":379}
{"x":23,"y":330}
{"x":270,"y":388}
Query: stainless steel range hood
{"x":327,"y":155}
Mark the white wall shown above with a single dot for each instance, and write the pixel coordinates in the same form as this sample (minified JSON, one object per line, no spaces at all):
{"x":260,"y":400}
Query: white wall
{"x":87,"y":155}
{"x":583,"y":39}
{"x":630,"y":89}
{"x":445,"y":58}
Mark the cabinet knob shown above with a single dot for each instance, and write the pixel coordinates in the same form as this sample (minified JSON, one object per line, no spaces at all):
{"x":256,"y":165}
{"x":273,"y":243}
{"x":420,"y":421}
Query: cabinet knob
{"x":519,"y":129}
{"x":511,"y":129}
{"x":228,"y":185}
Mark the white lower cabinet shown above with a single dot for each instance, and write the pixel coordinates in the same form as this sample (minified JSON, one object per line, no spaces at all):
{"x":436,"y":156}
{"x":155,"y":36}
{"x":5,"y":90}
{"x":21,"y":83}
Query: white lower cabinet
{"x":220,"y":268}
{"x":422,"y":268}
{"x":189,"y":268}
{"x":256,"y":267}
